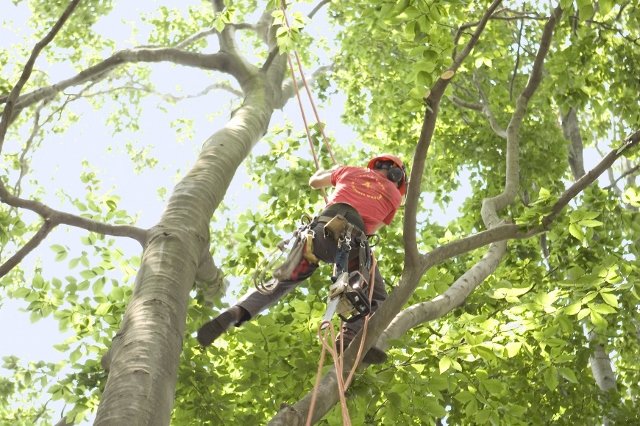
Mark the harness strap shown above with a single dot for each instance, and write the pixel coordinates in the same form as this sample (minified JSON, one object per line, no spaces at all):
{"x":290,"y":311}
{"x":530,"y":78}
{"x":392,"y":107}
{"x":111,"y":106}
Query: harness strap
{"x":357,"y":233}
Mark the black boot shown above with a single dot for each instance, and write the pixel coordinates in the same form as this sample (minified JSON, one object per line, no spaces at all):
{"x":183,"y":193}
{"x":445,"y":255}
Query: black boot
{"x":214,"y":328}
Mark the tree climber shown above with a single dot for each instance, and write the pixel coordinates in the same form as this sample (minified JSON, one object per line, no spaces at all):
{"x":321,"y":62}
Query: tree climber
{"x":367,"y":198}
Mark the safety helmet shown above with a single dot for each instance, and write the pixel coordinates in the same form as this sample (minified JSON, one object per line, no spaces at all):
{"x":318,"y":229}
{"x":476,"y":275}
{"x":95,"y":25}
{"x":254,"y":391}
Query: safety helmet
{"x":402,"y":184}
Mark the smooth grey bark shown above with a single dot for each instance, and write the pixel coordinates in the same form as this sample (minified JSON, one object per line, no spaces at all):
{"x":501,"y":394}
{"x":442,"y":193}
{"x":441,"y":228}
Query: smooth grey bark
{"x":601,"y":363}
{"x":571,"y":131}
{"x":144,"y":356}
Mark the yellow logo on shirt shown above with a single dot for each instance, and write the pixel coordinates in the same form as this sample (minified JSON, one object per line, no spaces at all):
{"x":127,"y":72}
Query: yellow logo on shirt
{"x":375,"y":192}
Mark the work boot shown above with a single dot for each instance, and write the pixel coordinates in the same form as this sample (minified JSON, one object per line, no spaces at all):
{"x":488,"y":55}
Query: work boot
{"x":214,"y":328}
{"x":374,"y":355}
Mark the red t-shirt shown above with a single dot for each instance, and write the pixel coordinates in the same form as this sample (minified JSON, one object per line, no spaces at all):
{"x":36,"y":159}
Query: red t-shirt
{"x":374,"y":196}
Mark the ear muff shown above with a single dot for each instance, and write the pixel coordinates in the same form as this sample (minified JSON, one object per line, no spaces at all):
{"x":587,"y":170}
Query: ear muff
{"x":391,"y":160}
{"x":395,"y":174}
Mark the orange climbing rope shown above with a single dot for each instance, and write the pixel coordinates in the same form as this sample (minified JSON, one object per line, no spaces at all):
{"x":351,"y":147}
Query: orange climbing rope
{"x":294,"y":81}
{"x":328,"y":345}
{"x":326,"y":329}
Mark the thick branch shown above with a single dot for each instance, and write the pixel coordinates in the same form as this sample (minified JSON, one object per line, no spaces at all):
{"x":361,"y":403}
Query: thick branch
{"x":7,"y":113}
{"x":571,"y":131}
{"x":426,"y":134}
{"x":460,"y":290}
{"x":491,"y":206}
{"x":589,"y":177}
{"x":453,"y":297}
{"x":58,"y":218}
{"x":222,"y":62}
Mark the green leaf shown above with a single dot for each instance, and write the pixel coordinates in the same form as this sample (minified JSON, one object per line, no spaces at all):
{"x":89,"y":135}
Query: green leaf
{"x":576,"y":232}
{"x":513,"y":348}
{"x":602,"y":308}
{"x":568,"y":374}
{"x":87,"y":274}
{"x":597,"y":319}
{"x":464,"y":396}
{"x":75,"y":355}
{"x":444,"y":364}
{"x":103,"y":308}
{"x":495,"y":387}
{"x":21,"y":292}
{"x":583,"y":313}
{"x":511,"y":292}
{"x":609,"y":299}
{"x":551,"y":378}
{"x":573,"y":309}
{"x":590,"y":223}
{"x":434,"y":407}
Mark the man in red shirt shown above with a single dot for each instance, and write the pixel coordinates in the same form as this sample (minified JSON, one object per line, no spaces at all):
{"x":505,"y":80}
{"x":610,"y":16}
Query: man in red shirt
{"x":367,"y":198}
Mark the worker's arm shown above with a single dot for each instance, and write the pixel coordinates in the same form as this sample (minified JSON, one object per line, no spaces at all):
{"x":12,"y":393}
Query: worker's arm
{"x":321,"y":178}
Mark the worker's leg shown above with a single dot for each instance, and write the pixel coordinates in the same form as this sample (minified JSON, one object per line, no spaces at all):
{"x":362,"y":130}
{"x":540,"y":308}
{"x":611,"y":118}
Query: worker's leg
{"x":252,"y":304}
{"x":323,"y":247}
{"x":256,"y":302}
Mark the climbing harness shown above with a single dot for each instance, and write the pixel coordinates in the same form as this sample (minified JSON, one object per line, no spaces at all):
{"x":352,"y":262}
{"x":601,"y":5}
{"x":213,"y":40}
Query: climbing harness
{"x":302,"y":247}
{"x":347,"y":294}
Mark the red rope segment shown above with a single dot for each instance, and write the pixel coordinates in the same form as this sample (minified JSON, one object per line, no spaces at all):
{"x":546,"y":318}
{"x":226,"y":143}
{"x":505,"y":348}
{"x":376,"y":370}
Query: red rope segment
{"x":304,"y":116}
{"x":313,"y":106}
{"x":325,"y":139}
{"x":343,"y":385}
{"x":326,"y":330}
{"x":372,"y":274}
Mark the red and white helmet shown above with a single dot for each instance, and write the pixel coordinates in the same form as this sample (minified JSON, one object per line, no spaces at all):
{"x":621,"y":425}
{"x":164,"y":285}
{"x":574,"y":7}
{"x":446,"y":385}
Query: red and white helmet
{"x":402,"y":185}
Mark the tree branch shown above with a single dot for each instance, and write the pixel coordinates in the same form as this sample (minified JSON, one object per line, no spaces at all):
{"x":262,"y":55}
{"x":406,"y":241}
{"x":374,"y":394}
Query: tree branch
{"x":571,"y":131}
{"x":626,"y":173}
{"x":490,"y":206}
{"x":37,"y":238}
{"x":222,"y":62}
{"x":426,"y":134}
{"x":53,"y":218}
{"x":589,"y":177}
{"x":486,"y":110}
{"x":7,"y":113}
{"x":463,"y":286}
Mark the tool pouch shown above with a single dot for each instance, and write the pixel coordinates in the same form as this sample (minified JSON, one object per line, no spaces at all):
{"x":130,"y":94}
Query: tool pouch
{"x":355,"y":301}
{"x":284,"y":271}
{"x":336,"y":226}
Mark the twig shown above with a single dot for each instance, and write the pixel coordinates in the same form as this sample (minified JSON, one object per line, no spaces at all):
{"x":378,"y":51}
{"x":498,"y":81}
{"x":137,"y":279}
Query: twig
{"x":516,"y":65}
{"x":626,"y":173}
{"x":28,"y":68}
{"x":53,"y":218}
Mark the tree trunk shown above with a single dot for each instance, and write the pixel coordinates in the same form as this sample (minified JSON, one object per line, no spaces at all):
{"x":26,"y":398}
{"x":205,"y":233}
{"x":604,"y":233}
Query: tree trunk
{"x":143,"y":360}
